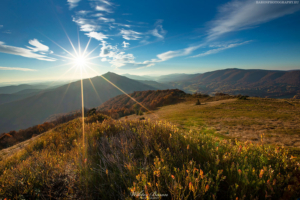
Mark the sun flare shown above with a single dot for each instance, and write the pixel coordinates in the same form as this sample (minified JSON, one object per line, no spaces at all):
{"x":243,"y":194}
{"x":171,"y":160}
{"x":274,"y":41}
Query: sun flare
{"x":80,"y":61}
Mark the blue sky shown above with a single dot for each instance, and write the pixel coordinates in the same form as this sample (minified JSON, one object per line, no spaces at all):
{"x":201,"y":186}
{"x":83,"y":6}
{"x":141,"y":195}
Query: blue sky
{"x":145,"y":37}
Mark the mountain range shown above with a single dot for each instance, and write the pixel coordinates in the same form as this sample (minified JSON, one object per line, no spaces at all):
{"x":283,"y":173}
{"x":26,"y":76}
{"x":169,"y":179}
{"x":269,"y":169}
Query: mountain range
{"x":36,"y":109}
{"x":26,"y":106}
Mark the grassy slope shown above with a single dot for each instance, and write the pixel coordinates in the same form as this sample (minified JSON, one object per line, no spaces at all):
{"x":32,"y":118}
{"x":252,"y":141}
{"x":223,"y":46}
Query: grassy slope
{"x":125,"y":157}
{"x":277,"y":119}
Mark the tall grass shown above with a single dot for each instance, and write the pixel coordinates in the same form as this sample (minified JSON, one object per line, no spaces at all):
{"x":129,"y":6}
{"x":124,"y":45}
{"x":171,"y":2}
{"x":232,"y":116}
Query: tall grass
{"x":124,"y":160}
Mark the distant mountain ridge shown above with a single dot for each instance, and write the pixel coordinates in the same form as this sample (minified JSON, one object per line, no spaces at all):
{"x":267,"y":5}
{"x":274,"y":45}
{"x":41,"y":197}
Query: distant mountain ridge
{"x":35,"y":109}
{"x":253,"y":82}
{"x":17,"y":88}
{"x":163,"y":78}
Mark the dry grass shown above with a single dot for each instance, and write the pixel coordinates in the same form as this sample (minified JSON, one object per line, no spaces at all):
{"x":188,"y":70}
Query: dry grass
{"x":125,"y":158}
{"x":278,"y":120}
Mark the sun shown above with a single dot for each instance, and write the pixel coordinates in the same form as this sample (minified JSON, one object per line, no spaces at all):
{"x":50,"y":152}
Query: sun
{"x":80,"y":61}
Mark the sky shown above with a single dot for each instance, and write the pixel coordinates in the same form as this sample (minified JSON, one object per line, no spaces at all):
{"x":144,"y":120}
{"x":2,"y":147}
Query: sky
{"x":45,"y":40}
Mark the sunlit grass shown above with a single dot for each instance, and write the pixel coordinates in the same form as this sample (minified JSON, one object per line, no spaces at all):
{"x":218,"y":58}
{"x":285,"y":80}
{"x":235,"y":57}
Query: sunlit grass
{"x":133,"y":156}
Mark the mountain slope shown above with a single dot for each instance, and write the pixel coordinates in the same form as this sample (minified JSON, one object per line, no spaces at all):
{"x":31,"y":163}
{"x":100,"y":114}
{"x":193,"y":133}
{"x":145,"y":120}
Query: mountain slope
{"x":160,"y":86}
{"x":17,"y":88}
{"x":251,"y":82}
{"x":35,"y":109}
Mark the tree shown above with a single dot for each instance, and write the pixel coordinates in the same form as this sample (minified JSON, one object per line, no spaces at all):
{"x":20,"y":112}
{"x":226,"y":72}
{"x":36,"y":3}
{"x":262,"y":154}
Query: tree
{"x":198,"y":102}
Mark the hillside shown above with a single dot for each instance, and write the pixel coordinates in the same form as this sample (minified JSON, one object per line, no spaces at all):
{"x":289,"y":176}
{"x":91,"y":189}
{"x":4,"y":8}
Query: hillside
{"x":163,"y":78}
{"x":233,"y":118}
{"x":17,"y":88}
{"x":123,"y":158}
{"x":284,"y":84}
{"x":6,"y":98}
{"x":160,"y":86}
{"x":123,"y":105}
{"x":35,"y":109}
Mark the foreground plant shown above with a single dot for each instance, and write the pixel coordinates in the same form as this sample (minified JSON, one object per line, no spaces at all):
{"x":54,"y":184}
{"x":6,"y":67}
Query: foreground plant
{"x":134,"y":159}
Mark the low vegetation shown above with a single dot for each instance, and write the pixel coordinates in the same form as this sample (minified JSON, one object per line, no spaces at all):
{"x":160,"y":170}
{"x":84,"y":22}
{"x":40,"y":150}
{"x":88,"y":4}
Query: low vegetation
{"x":124,"y":105}
{"x":125,"y":159}
{"x":14,"y":137}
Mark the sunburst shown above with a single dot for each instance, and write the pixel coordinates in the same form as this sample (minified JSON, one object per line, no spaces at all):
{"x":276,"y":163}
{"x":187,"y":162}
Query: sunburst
{"x":81,"y":60}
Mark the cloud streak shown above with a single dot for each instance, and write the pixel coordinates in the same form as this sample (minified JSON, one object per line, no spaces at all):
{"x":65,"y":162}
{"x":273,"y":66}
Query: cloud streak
{"x":241,"y":15}
{"x":28,"y":53}
{"x":38,"y":46}
{"x":73,"y":3}
{"x":222,"y":48}
{"x":130,"y":34}
{"x":16,"y":69}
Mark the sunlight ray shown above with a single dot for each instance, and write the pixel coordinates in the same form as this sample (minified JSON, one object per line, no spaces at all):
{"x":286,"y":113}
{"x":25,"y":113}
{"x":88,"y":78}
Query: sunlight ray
{"x":69,"y":39}
{"x":59,"y":46}
{"x":82,"y":107}
{"x":93,"y":86}
{"x":86,"y":47}
{"x":69,"y":63}
{"x":93,"y":58}
{"x":92,"y":51}
{"x":63,"y":96}
{"x":119,"y":88}
{"x":79,"y":48}
{"x":63,"y":56}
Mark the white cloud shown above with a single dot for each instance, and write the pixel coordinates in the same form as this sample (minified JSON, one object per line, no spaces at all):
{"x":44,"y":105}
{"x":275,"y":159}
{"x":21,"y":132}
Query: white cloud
{"x":172,"y":54}
{"x":130,"y":34}
{"x":119,"y":59}
{"x":220,"y":48}
{"x":83,"y":12}
{"x":73,"y":3}
{"x":38,"y":46}
{"x":16,"y":69}
{"x":240,"y":15}
{"x":89,"y":28}
{"x":106,"y":19}
{"x":103,"y":8}
{"x":86,"y":25}
{"x":23,"y":52}
{"x":97,"y":36}
{"x":1,"y":26}
{"x":158,"y":32}
{"x":98,"y":15}
{"x":120,"y":24}
{"x":125,"y":44}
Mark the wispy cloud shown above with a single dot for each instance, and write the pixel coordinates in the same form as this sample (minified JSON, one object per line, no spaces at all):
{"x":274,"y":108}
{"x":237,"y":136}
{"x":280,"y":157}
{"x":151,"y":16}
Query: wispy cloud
{"x":130,"y":34}
{"x":220,"y":48}
{"x":23,"y":52}
{"x":83,"y":12}
{"x":119,"y":59}
{"x":16,"y":69}
{"x":158,"y":31}
{"x":240,"y":15}
{"x":1,"y":26}
{"x":103,"y":8}
{"x":37,"y":46}
{"x":234,"y":16}
{"x":106,"y":19}
{"x":125,"y":44}
{"x":86,"y":25}
{"x":98,"y":36}
{"x":73,"y":3}
{"x":172,"y":54}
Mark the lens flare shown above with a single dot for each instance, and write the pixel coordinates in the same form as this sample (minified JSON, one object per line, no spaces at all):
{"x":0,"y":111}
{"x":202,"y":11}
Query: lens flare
{"x":80,"y":61}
